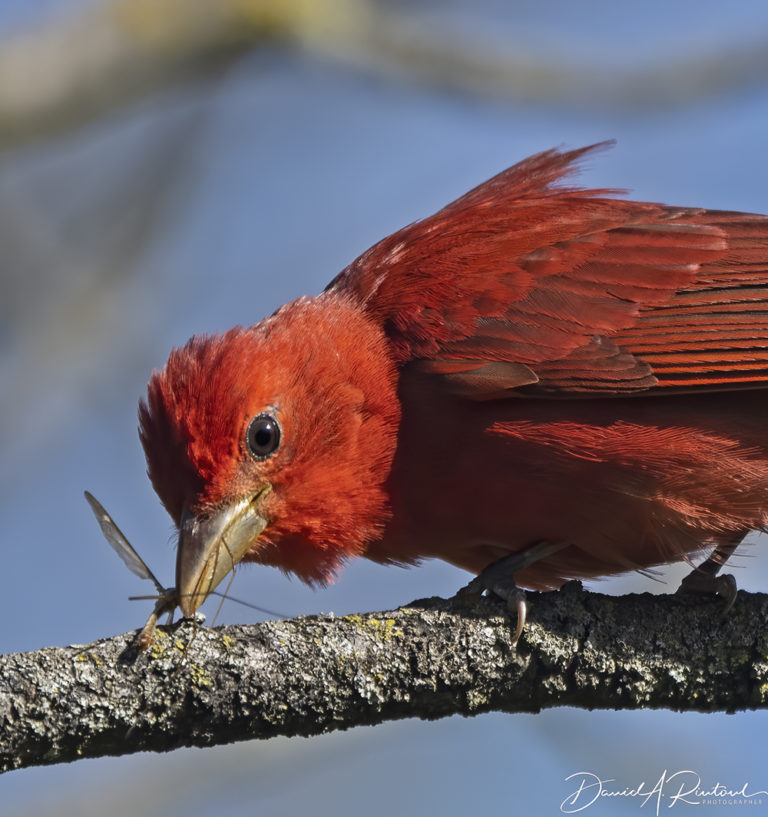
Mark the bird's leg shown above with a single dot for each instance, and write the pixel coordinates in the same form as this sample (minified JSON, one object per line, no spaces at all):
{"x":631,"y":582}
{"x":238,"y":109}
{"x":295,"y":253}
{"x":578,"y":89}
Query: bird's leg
{"x":704,"y":578}
{"x":499,"y":578}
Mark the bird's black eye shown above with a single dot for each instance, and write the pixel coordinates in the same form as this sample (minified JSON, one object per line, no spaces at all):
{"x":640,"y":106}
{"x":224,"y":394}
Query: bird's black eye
{"x":262,"y":437}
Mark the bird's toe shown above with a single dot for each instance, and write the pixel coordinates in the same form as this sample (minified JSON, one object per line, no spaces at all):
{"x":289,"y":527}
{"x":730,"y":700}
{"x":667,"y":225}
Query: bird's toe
{"x":499,"y":579}
{"x":723,"y":586}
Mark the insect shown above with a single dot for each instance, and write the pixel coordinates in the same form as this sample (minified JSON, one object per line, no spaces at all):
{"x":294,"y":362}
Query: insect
{"x":167,"y":597}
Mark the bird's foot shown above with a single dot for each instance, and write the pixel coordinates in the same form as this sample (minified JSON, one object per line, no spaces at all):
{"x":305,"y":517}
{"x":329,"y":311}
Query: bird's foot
{"x":698,"y":582}
{"x":499,"y":579}
{"x":704,"y":578}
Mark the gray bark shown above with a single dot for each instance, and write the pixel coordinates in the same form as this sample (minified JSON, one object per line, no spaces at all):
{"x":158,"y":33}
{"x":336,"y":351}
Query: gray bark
{"x":199,"y":686}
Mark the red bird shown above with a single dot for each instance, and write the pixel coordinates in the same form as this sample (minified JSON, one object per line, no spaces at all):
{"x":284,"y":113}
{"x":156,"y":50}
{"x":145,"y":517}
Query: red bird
{"x":536,"y":371}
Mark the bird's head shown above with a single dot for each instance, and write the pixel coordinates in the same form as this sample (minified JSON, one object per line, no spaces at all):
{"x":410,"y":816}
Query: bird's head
{"x":273,"y":443}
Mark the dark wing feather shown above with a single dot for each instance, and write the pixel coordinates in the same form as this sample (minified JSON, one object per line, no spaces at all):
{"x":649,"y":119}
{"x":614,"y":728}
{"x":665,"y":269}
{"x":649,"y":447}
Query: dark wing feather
{"x":523,"y":284}
{"x":714,"y":333}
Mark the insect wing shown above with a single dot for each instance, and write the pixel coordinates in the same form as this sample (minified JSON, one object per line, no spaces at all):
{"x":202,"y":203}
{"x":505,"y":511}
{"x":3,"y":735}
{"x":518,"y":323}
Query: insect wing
{"x":120,"y":544}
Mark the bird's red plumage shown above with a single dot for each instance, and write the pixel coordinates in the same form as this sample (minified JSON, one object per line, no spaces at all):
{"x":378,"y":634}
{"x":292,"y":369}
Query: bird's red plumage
{"x":532,"y":362}
{"x":325,"y":370}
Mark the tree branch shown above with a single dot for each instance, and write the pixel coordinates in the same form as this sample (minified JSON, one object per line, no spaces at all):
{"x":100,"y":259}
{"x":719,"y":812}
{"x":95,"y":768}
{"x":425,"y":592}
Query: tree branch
{"x":201,"y":686}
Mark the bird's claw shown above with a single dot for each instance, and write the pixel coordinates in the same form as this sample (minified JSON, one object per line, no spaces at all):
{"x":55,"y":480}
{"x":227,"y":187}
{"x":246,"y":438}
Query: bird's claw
{"x":499,"y":579}
{"x":723,"y":586}
{"x":507,"y":590}
{"x":515,"y":599}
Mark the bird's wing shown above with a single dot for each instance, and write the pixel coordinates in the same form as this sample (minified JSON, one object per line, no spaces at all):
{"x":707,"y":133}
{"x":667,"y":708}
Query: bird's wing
{"x":526,"y":285}
{"x":713,"y":333}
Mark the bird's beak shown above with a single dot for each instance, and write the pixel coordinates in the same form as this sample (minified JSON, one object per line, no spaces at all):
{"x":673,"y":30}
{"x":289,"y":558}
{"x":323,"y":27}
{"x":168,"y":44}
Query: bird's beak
{"x":211,"y":546}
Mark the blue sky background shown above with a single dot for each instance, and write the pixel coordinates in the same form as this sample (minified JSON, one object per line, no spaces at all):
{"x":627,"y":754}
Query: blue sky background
{"x":283,"y":171}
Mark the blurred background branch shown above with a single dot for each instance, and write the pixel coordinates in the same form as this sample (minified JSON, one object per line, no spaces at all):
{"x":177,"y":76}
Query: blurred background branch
{"x":71,"y":70}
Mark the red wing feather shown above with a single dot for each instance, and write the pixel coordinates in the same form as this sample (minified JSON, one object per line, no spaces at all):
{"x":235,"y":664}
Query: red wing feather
{"x":527,"y":285}
{"x":714,"y":333}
